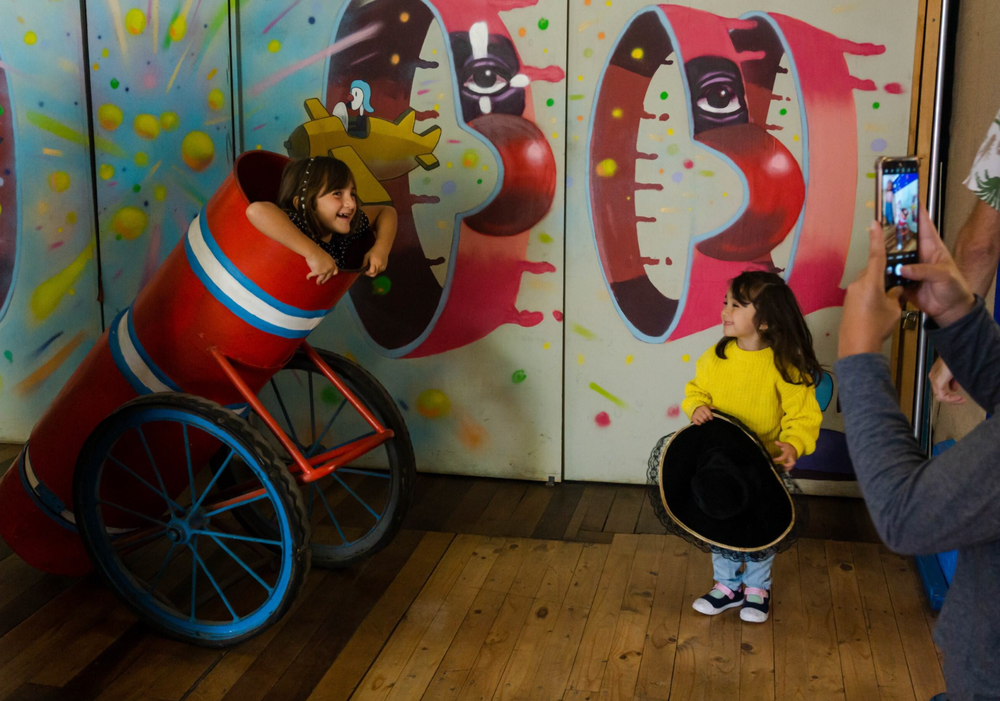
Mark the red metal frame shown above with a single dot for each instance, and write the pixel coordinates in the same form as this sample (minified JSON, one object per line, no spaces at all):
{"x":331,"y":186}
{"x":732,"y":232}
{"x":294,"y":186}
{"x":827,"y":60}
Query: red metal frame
{"x":308,"y":470}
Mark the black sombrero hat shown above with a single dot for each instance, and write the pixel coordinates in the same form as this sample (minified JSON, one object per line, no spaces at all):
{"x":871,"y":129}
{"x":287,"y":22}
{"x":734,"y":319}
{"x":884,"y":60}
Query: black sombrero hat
{"x":716,"y":486}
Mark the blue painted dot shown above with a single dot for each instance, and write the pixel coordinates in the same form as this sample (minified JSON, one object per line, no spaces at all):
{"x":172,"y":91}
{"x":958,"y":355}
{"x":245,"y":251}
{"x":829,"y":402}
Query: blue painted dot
{"x":677,"y":177}
{"x":98,"y":37}
{"x":569,"y":182}
{"x":312,"y":20}
{"x":402,"y":404}
{"x":41,"y":104}
{"x":448,"y":187}
{"x":879,"y":145}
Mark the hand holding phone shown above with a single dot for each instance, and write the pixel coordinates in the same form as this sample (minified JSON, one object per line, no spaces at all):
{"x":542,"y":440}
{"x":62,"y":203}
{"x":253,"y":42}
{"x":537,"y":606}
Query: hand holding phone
{"x":897,"y":197}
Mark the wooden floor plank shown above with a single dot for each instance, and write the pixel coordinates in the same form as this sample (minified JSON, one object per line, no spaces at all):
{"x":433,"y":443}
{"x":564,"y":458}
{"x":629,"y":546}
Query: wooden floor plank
{"x":592,"y":658}
{"x":507,"y":565}
{"x":648,"y":522}
{"x":691,"y":661}
{"x":757,"y":661}
{"x":823,"y":658}
{"x":883,"y":633}
{"x":724,"y":657}
{"x":470,"y":509}
{"x":657,"y":667}
{"x":435,"y":499}
{"x":378,"y":682}
{"x":461,"y":655}
{"x":529,"y":511}
{"x":496,"y":514}
{"x":908,"y":605}
{"x":341,"y":679}
{"x":579,"y":513}
{"x":559,"y":572}
{"x":533,"y":568}
{"x":790,"y":642}
{"x":559,"y":511}
{"x":560,"y":649}
{"x":860,"y":682}
{"x":492,"y":658}
{"x":629,"y":637}
{"x":624,"y":512}
{"x":524,"y":661}
{"x":599,"y":506}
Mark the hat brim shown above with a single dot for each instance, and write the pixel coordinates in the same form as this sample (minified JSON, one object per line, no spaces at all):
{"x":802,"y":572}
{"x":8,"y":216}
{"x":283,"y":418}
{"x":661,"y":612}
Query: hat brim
{"x":770,"y":516}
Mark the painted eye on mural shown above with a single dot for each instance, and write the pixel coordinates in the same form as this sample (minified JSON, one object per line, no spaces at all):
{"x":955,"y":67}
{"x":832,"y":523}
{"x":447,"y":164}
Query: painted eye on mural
{"x":486,"y":79}
{"x":720,"y":98}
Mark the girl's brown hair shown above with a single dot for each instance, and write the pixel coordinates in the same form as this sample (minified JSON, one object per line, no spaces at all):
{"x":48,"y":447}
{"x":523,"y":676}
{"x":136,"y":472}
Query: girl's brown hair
{"x":786,"y":334}
{"x":309,"y":179}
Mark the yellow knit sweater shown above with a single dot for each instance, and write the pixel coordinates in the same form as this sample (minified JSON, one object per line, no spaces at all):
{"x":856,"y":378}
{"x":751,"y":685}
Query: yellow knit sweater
{"x":747,"y":385}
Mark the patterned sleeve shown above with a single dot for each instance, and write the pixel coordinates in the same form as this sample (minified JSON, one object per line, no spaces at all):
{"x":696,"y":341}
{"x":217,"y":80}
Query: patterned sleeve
{"x":984,"y":178}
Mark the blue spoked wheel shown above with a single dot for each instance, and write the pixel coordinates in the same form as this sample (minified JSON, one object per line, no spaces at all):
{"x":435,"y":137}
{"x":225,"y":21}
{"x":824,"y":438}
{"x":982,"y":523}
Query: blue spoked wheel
{"x":166,"y":534}
{"x":355,"y":511}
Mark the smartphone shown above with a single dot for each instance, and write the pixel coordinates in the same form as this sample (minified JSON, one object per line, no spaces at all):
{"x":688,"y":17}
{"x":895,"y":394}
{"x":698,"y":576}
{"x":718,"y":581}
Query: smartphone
{"x":897,"y":197}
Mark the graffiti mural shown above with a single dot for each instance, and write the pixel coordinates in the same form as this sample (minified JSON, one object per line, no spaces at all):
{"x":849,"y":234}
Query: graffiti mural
{"x":49,"y":309}
{"x":715,"y":139}
{"x":451,"y":112}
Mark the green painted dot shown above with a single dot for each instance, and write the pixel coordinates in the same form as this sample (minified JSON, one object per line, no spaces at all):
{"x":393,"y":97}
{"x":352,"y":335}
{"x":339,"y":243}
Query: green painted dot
{"x":1,"y":110}
{"x":329,"y":395}
{"x":9,"y":356}
{"x":673,"y":149}
{"x":543,"y":24}
{"x":545,"y":238}
{"x":876,"y":105}
{"x":114,"y":83}
{"x":782,"y":111}
{"x":427,"y":181}
{"x":587,"y":53}
{"x":118,"y":237}
{"x":136,"y":187}
{"x":381,"y":286}
{"x":664,"y":95}
{"x":518,"y":377}
{"x":479,"y":181}
{"x":550,"y":102}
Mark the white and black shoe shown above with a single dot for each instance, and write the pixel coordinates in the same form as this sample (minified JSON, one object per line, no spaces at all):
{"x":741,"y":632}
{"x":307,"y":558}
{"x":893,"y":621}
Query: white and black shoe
{"x":756,"y":607}
{"x":718,"y":600}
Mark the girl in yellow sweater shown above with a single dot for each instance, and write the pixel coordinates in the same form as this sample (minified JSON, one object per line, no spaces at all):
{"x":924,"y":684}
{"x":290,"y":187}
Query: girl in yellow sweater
{"x":764,"y":373}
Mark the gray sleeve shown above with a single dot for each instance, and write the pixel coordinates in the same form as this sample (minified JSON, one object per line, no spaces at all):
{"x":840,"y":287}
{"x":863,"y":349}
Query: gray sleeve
{"x":919,"y":506}
{"x":971,"y":348}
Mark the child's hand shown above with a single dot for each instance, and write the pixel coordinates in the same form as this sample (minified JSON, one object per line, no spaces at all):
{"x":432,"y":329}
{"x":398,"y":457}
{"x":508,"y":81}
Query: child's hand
{"x":701,"y":415}
{"x":788,"y":456}
{"x":321,"y":265}
{"x":375,"y":261}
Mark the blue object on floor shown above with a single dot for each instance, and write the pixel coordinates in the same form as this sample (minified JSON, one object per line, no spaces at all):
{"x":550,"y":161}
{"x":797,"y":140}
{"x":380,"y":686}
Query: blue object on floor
{"x":937,"y":571}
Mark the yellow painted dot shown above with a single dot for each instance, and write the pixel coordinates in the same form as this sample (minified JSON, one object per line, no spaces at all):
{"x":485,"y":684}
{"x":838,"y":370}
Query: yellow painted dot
{"x":404,"y":17}
{"x":616,"y":113}
{"x":106,"y":171}
{"x":71,"y":292}
{"x":160,"y":193}
{"x":135,"y":21}
{"x":470,"y":158}
{"x":169,"y":121}
{"x":141,"y":159}
{"x":725,"y":194}
{"x":629,"y":359}
{"x":96,"y":66}
{"x":146,"y":126}
{"x":545,"y":51}
{"x":30,"y":38}
{"x":59,"y":181}
{"x":870,"y":204}
{"x":442,"y":224}
{"x":546,"y":345}
{"x":274,"y":46}
{"x":522,"y":31}
{"x":104,"y":53}
{"x":795,"y":138}
{"x":109,"y":116}
{"x":448,"y":164}
{"x":216,"y":100}
{"x":394,"y":59}
{"x":59,"y":230}
{"x":686,"y":358}
{"x":178,"y":28}
{"x":129,"y":222}
{"x":434,"y":52}
{"x":579,"y":360}
{"x":555,"y":135}
{"x":437,"y":107}
{"x":608,"y":3}
{"x":638,"y":53}
{"x":670,"y":132}
{"x":211,"y":74}
{"x":197,"y":150}
{"x":579,"y":77}
{"x":258,"y":147}
{"x":71,"y":217}
{"x":607,"y":168}
{"x":486,"y":167}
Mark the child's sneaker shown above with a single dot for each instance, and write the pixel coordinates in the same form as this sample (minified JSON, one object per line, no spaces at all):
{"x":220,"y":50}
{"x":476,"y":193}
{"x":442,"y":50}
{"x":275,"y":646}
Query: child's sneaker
{"x":756,"y":607}
{"x":718,"y":600}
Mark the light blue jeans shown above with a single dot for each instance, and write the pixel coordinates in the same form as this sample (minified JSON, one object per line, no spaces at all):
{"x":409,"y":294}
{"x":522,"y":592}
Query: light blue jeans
{"x":756,"y":576}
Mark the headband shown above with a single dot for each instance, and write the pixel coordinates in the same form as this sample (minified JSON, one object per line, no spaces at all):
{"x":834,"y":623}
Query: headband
{"x":305,"y":179}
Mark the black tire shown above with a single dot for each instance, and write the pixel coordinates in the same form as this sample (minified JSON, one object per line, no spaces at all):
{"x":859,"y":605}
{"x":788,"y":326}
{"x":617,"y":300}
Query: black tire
{"x":328,"y":550}
{"x":218,"y":423}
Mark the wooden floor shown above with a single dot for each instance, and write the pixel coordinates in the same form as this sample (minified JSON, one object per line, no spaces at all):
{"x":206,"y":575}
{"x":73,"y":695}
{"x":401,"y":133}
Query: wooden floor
{"x":505,"y":590}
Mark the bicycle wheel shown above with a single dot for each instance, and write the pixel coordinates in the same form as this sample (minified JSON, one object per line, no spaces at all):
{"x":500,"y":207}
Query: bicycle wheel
{"x":355,"y":511}
{"x":164,"y":534}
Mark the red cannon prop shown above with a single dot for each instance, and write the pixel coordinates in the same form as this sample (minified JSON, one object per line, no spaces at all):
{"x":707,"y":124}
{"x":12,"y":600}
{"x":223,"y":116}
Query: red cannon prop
{"x":144,"y":466}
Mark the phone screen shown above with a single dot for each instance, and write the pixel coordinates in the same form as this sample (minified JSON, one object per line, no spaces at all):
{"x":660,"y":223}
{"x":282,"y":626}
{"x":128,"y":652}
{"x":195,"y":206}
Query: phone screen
{"x":899,"y":216}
